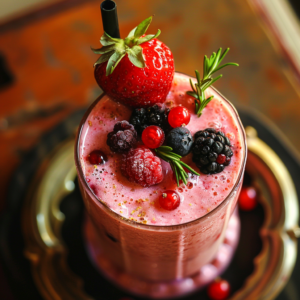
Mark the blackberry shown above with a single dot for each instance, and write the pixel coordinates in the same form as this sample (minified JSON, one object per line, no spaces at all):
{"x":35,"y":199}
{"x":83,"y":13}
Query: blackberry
{"x":211,"y":151}
{"x":181,"y":140}
{"x":155,"y":115}
{"x":122,"y":138}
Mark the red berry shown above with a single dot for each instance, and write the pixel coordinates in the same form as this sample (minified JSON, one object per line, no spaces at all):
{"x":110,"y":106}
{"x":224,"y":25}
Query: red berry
{"x":153,"y":136}
{"x":97,"y":157}
{"x":179,"y":116}
{"x":247,"y":199}
{"x":218,"y":290}
{"x":140,"y":87}
{"x":169,"y":200}
{"x":141,"y":166}
{"x":221,"y":159}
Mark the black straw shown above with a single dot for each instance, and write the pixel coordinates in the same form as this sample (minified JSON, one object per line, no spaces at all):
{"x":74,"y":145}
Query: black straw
{"x":110,"y":18}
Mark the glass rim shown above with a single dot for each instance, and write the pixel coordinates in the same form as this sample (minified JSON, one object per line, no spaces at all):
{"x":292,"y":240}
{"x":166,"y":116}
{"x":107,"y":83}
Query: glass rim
{"x":150,"y":226}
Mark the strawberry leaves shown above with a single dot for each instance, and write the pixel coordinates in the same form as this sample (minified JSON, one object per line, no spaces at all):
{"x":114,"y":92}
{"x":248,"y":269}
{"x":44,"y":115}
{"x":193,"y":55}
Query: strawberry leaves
{"x":142,"y":27}
{"x":114,"y":49}
{"x":135,"y":55}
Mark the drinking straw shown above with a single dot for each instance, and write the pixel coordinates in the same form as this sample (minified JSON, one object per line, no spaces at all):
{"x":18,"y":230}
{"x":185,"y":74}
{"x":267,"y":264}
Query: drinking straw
{"x":110,"y":18}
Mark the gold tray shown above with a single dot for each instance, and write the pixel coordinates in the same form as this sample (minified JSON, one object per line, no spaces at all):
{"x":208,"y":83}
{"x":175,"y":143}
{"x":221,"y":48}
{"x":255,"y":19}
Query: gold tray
{"x":47,"y":252}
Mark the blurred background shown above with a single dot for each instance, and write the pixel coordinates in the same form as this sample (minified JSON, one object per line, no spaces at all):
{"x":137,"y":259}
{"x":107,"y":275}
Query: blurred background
{"x":46,"y":65}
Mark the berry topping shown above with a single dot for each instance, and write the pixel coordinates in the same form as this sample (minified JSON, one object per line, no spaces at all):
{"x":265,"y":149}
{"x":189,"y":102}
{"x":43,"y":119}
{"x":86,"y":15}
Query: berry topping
{"x":248,"y":198}
{"x":141,"y":166}
{"x":133,"y":71}
{"x":179,"y":116}
{"x":97,"y":157}
{"x":153,"y":137}
{"x":157,"y":115}
{"x":219,"y":290}
{"x":181,"y":140}
{"x":221,"y":159}
{"x":211,"y":151}
{"x":169,"y":200}
{"x":122,"y":138}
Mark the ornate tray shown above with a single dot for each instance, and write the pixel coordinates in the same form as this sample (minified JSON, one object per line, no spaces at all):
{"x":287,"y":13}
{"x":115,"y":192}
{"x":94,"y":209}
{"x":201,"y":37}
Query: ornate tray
{"x":52,"y":218}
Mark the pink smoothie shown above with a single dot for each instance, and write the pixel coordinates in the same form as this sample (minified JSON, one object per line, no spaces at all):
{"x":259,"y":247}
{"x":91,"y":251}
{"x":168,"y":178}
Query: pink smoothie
{"x":130,"y":232}
{"x":202,"y":193}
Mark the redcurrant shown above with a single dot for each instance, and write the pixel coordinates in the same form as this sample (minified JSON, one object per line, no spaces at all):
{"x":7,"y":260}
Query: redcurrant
{"x":97,"y":157}
{"x":218,"y":290}
{"x":248,"y":198}
{"x":179,"y":116}
{"x":153,"y":136}
{"x":169,"y":200}
{"x":221,"y":159}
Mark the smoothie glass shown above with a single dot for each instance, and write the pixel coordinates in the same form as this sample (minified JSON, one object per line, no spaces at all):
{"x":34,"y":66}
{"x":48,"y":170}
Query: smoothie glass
{"x":154,"y":253}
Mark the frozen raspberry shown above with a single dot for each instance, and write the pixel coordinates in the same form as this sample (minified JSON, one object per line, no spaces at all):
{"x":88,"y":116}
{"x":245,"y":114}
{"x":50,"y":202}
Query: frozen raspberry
{"x":141,"y":166}
{"x":122,"y":138}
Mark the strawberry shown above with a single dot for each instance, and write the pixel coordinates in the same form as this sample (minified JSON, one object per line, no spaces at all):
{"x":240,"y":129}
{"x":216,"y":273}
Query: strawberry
{"x":137,"y":71}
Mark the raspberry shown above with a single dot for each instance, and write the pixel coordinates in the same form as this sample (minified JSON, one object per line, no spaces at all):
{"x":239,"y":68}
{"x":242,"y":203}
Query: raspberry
{"x":122,"y":138}
{"x":141,"y":166}
{"x":156,"y":115}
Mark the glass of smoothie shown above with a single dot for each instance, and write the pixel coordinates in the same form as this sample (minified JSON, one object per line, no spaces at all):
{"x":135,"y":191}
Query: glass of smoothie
{"x":131,"y":239}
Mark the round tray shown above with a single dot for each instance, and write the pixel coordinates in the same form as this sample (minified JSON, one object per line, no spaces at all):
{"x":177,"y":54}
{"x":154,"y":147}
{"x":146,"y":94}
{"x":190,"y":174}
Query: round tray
{"x":52,"y":218}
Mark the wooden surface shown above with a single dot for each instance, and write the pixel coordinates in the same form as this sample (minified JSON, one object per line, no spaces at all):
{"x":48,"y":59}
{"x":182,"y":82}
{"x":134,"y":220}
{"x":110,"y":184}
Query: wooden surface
{"x":52,"y":64}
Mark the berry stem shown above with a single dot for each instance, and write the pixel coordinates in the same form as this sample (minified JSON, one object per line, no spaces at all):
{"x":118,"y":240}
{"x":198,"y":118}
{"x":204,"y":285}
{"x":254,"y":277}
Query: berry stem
{"x":165,"y":153}
{"x":210,"y":66}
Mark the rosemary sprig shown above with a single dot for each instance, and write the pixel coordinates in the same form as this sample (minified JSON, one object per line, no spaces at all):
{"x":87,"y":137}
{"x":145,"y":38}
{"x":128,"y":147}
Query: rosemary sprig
{"x":210,"y":66}
{"x":165,"y":153}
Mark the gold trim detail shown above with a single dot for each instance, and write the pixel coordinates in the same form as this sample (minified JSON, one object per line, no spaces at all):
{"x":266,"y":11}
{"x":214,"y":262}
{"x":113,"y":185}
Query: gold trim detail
{"x":54,"y":179}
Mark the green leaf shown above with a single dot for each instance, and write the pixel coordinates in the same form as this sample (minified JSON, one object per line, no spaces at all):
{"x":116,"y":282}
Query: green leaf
{"x":103,"y":58}
{"x":228,"y":64}
{"x":142,"y":27}
{"x":215,"y":62}
{"x":165,"y":149}
{"x":206,"y":62}
{"x":131,"y":33}
{"x":198,"y":77}
{"x":135,"y":55}
{"x":189,"y":168}
{"x":113,"y":62}
{"x":212,"y":59}
{"x":193,"y":94}
{"x":192,"y":85}
{"x":148,"y":37}
{"x":104,"y":49}
{"x":107,"y":40}
{"x":176,"y":173}
{"x":223,"y":55}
